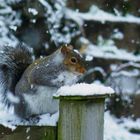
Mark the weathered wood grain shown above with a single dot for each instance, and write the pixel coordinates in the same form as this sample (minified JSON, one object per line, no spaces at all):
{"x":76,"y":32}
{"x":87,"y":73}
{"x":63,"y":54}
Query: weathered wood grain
{"x":81,"y":119}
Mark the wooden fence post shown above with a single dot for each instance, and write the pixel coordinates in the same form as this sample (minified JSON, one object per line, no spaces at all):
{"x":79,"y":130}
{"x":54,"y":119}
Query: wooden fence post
{"x":81,"y":117}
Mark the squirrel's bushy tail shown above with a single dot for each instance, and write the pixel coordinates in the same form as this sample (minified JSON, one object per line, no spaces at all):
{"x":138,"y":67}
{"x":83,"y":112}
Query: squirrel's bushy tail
{"x":13,"y":62}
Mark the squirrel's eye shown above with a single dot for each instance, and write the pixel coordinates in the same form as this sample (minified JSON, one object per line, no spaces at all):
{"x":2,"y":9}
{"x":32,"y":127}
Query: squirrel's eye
{"x":73,"y":60}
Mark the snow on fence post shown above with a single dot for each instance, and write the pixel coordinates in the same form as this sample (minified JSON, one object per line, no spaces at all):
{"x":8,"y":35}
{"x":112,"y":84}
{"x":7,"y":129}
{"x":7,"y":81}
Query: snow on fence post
{"x":82,"y":112}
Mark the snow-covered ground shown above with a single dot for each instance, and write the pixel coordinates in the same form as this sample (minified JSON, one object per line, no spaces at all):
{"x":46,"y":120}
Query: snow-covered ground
{"x":118,"y":131}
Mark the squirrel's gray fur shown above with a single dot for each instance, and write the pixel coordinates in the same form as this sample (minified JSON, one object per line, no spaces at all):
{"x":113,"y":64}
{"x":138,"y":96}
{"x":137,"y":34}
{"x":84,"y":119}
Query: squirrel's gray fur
{"x":33,"y":86}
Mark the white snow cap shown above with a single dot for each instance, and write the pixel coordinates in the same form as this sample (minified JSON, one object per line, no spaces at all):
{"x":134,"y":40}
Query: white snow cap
{"x":83,"y":89}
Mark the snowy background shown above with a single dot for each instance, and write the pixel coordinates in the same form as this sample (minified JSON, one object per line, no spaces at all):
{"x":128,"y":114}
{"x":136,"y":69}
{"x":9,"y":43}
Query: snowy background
{"x":106,"y":33}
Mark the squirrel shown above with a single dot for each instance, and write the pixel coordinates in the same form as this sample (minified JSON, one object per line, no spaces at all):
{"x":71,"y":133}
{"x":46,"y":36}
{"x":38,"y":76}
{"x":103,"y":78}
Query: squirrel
{"x":33,"y":83}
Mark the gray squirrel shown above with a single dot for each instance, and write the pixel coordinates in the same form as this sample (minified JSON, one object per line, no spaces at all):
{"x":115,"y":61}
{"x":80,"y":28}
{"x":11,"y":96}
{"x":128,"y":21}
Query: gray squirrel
{"x":32,"y":84}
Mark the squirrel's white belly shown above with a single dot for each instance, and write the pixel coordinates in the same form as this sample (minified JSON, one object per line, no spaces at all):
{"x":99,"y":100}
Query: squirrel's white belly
{"x":42,"y":101}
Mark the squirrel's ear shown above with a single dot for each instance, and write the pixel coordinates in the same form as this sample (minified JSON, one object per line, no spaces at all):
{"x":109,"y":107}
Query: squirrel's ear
{"x":65,"y":49}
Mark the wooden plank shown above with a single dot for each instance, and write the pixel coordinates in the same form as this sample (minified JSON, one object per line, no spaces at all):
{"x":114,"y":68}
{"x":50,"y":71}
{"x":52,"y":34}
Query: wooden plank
{"x":28,"y":133}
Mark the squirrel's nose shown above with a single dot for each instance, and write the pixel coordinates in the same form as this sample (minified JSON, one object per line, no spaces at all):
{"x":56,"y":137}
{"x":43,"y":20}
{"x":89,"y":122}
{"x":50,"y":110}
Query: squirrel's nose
{"x":82,"y":70}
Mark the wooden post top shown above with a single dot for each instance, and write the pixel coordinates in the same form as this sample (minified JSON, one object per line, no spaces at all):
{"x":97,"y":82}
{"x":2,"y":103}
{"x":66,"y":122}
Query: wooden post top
{"x":84,"y":91}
